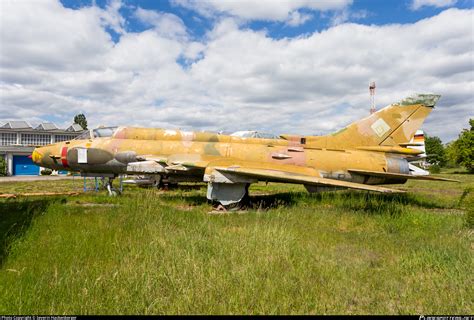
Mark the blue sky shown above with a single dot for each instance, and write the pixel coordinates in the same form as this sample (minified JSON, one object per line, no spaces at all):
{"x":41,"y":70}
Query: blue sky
{"x":286,"y":66}
{"x":377,"y":12}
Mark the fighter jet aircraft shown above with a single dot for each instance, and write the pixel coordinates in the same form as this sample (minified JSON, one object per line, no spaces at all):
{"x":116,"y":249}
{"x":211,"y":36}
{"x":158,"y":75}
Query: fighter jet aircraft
{"x":368,"y":152}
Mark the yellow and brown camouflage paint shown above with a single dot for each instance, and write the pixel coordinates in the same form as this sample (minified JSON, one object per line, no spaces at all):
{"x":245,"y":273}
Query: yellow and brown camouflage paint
{"x":371,"y":144}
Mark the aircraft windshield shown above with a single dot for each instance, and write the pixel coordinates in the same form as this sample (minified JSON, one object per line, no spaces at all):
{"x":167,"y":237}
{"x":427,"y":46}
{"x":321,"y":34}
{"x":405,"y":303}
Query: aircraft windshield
{"x":103,"y":132}
{"x":97,"y":133}
{"x":83,"y":136}
{"x":255,"y":134}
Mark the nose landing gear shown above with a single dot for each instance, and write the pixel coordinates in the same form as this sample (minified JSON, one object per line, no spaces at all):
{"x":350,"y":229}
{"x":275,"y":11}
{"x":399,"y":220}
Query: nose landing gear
{"x":113,"y":192}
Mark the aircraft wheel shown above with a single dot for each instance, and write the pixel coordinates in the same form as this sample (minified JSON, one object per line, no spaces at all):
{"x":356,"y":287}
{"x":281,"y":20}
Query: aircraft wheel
{"x":112,"y":191}
{"x":234,"y":206}
{"x":241,"y":205}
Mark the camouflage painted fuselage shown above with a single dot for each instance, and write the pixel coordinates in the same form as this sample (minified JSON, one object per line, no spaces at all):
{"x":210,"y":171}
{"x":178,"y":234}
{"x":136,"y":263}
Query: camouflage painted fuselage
{"x":374,"y":144}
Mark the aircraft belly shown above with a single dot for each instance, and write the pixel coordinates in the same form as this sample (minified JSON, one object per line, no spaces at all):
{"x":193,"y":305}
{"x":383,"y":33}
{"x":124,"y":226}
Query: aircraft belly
{"x":112,"y":167}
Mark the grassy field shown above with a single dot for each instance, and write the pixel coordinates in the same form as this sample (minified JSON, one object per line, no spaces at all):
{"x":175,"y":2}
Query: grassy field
{"x":155,"y":252}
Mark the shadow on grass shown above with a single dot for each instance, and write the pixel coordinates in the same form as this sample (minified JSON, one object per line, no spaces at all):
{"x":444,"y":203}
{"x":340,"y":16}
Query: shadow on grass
{"x":191,"y":199}
{"x":174,"y":187}
{"x":15,"y":219}
{"x":256,"y":201}
{"x":185,"y":187}
{"x":366,"y":202}
{"x":271,"y":201}
{"x":356,"y":201}
{"x":457,"y":172}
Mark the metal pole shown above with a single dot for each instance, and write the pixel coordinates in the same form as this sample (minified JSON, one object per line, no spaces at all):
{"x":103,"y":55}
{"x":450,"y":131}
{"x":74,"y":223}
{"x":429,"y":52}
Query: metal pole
{"x":372,"y":97}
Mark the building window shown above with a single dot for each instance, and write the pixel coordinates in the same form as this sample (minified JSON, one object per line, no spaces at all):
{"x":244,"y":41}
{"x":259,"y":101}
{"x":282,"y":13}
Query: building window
{"x":63,"y":137}
{"x":35,"y":139}
{"x":7,"y":139}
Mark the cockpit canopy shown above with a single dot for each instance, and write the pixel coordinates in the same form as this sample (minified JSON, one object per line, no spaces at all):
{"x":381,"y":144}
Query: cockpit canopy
{"x":255,"y":134}
{"x":101,"y":132}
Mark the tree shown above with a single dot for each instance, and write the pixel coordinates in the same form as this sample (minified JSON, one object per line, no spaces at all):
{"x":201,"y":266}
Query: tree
{"x":81,"y":120}
{"x":435,"y":151}
{"x":451,"y":154}
{"x":463,"y":148}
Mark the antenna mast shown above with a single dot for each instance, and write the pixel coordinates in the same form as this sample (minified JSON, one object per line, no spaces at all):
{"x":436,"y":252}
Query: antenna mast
{"x":372,"y":96}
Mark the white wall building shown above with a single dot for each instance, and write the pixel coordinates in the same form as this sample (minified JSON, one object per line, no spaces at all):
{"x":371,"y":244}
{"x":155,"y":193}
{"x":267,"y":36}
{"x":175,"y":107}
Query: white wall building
{"x":19,"y":138}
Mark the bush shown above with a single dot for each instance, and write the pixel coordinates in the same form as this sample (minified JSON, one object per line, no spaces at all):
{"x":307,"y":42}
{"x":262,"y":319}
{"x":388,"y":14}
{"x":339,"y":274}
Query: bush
{"x":435,"y":168}
{"x":46,"y":172}
{"x":3,"y":166}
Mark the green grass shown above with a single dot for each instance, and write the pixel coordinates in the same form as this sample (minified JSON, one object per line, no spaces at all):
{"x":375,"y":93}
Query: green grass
{"x":153,"y":252}
{"x":44,"y":185}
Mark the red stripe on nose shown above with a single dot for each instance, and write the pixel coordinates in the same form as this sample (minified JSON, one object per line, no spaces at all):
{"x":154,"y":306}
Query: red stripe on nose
{"x":30,"y":156}
{"x":64,"y":157}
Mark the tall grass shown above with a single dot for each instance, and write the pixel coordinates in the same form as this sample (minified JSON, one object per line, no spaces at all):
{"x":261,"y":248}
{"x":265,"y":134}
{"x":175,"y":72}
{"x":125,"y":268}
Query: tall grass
{"x":150,"y":252}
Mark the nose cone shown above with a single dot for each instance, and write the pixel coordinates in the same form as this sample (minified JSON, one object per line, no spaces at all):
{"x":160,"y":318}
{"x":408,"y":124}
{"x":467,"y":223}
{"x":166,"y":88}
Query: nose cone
{"x":36,"y":156}
{"x":44,"y":157}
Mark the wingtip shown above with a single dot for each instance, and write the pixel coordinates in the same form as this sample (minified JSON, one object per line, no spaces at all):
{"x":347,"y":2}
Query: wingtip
{"x":434,"y":178}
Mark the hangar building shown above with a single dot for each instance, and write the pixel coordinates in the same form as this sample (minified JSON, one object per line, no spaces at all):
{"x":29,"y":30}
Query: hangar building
{"x":19,"y":138}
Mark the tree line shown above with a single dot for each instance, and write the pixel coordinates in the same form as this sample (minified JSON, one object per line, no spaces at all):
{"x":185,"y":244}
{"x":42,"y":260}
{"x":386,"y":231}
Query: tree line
{"x":459,"y":152}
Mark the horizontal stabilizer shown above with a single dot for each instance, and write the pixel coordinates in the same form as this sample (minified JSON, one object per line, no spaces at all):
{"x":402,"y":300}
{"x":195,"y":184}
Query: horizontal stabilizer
{"x":281,"y":176}
{"x":411,"y":144}
{"x":398,"y":175}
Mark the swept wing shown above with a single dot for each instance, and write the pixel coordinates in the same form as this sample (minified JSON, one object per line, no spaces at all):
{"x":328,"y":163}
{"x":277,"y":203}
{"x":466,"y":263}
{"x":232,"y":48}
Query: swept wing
{"x":272,"y":175}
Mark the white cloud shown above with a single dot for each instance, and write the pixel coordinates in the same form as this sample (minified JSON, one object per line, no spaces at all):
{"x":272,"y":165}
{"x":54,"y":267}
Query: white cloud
{"x":296,"y":18}
{"x":346,"y":15}
{"x":417,"y":4}
{"x":61,"y":61}
{"x":111,"y":16}
{"x":269,"y":10}
{"x":166,"y":24}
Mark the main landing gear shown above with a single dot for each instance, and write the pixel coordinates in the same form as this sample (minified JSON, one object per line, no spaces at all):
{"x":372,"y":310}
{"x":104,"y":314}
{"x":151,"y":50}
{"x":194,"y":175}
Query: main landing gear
{"x":228,"y":196}
{"x":113,"y":192}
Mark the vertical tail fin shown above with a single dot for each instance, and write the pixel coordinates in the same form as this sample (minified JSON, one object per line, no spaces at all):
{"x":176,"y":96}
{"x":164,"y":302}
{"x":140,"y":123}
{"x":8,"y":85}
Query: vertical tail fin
{"x":393,"y":125}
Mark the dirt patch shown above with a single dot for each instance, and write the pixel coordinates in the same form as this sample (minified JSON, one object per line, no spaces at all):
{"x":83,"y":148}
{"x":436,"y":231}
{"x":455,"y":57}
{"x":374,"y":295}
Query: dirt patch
{"x":87,"y":204}
{"x":447,"y":211}
{"x":33,"y":194}
{"x":184,"y":207}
